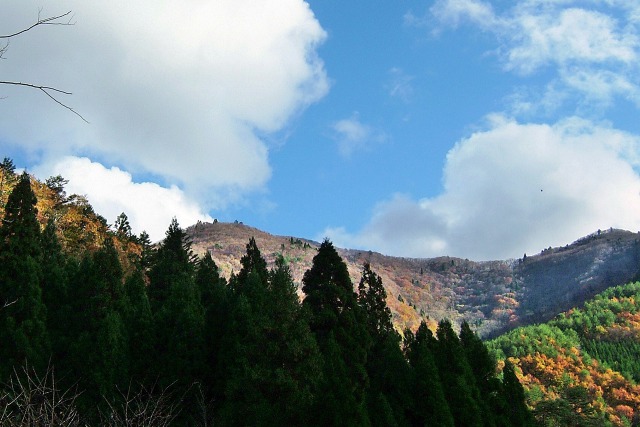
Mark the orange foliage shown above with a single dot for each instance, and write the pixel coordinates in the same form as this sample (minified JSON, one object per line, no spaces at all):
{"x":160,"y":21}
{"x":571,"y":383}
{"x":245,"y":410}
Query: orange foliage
{"x":608,"y":390}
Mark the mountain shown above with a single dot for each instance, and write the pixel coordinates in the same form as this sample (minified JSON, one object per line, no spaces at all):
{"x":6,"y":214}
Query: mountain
{"x":493,"y":296}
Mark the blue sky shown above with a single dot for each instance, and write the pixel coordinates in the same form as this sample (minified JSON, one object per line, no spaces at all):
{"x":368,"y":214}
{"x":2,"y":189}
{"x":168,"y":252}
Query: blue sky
{"x":471,"y":128}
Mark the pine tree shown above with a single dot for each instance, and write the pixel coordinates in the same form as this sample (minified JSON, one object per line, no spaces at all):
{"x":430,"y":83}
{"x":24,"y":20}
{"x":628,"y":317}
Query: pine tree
{"x":23,"y":316}
{"x":339,"y":325}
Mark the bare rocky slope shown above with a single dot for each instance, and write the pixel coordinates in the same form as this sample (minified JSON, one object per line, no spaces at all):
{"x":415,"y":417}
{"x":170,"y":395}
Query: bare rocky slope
{"x":493,"y":296}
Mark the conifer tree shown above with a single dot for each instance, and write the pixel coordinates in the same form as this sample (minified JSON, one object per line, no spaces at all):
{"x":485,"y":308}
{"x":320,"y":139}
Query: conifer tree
{"x":339,"y":325}
{"x":98,"y":352}
{"x":216,"y":300}
{"x":483,"y":367}
{"x":459,"y":385}
{"x":7,"y":177}
{"x":177,"y":311}
{"x":55,"y":292}
{"x":517,"y":412}
{"x":270,"y":354}
{"x":23,"y":333}
{"x":387,"y":369}
{"x":138,"y":323}
{"x":428,"y":405}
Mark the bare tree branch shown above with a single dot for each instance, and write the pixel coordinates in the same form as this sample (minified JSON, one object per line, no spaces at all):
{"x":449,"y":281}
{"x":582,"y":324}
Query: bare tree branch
{"x":8,"y":303}
{"x":52,"y":20}
{"x":46,"y":90}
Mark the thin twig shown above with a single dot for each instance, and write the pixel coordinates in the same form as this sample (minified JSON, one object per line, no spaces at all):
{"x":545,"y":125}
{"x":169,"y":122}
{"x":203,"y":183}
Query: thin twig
{"x":46,"y":21}
{"x":45,"y":89}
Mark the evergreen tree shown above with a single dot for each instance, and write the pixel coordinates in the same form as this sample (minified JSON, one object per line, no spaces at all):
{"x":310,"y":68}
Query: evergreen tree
{"x":55,"y":292}
{"x":147,"y":253}
{"x":517,"y":412}
{"x":339,"y":325}
{"x":7,"y":177}
{"x":123,"y":227}
{"x":215,"y":298}
{"x":387,"y":369}
{"x":459,"y":385}
{"x":23,"y":316}
{"x":98,"y":352}
{"x":252,"y":261}
{"x":177,"y":311}
{"x":428,"y":405}
{"x":483,"y":367}
{"x":138,"y":323}
{"x":270,"y":354}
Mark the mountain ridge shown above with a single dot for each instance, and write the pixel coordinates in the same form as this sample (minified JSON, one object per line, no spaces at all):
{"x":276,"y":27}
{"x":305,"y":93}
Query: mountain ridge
{"x":493,"y":296}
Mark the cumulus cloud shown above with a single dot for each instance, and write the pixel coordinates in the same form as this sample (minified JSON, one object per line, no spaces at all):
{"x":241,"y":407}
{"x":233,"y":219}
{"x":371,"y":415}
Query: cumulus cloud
{"x":353,"y":135}
{"x":514,"y":187}
{"x":179,"y":89}
{"x":593,"y":46}
{"x":112,"y":191}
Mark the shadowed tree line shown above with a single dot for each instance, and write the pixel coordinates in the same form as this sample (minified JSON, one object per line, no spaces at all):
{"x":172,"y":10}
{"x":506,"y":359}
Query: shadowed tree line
{"x":171,"y":342}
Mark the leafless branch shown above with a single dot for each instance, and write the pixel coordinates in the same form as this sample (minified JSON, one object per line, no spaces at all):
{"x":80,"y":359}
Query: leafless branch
{"x":148,"y":407}
{"x":52,"y":20}
{"x":8,"y":303}
{"x":32,"y":400}
{"x":46,"y":90}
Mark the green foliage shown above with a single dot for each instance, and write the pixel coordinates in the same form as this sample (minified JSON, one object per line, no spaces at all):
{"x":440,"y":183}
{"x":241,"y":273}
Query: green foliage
{"x":244,"y":353}
{"x":339,"y":325}
{"x":23,"y":316}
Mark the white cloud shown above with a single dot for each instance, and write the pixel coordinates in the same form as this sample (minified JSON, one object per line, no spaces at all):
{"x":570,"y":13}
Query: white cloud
{"x":180,"y":89}
{"x":112,"y":191}
{"x":452,"y":12}
{"x":573,"y":35}
{"x":591,"y":48}
{"x":353,"y":135}
{"x":400,"y":84}
{"x":512,"y":188}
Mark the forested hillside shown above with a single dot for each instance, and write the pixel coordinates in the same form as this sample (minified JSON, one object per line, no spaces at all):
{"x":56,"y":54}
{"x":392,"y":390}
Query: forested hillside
{"x":98,"y":327}
{"x":583,"y":367}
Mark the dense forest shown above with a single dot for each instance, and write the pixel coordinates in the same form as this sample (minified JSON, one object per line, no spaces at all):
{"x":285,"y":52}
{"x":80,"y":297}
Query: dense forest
{"x":582,"y":368}
{"x":100,"y":327}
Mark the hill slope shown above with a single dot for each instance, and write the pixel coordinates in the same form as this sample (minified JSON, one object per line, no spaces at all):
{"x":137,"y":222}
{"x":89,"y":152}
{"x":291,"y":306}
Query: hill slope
{"x":493,"y":296}
{"x":582,"y":366}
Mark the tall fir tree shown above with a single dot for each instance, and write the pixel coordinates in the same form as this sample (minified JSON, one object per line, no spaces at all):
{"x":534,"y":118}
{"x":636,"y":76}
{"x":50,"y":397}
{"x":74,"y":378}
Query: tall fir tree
{"x":388,"y":371}
{"x":517,"y":412}
{"x":23,"y":315}
{"x":177,"y":312}
{"x":55,"y":292}
{"x":458,"y":381}
{"x":216,"y":300}
{"x":428,"y":405}
{"x":99,"y":349}
{"x":339,"y":325}
{"x":138,"y":323}
{"x":272,"y":359}
{"x":483,"y":366}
